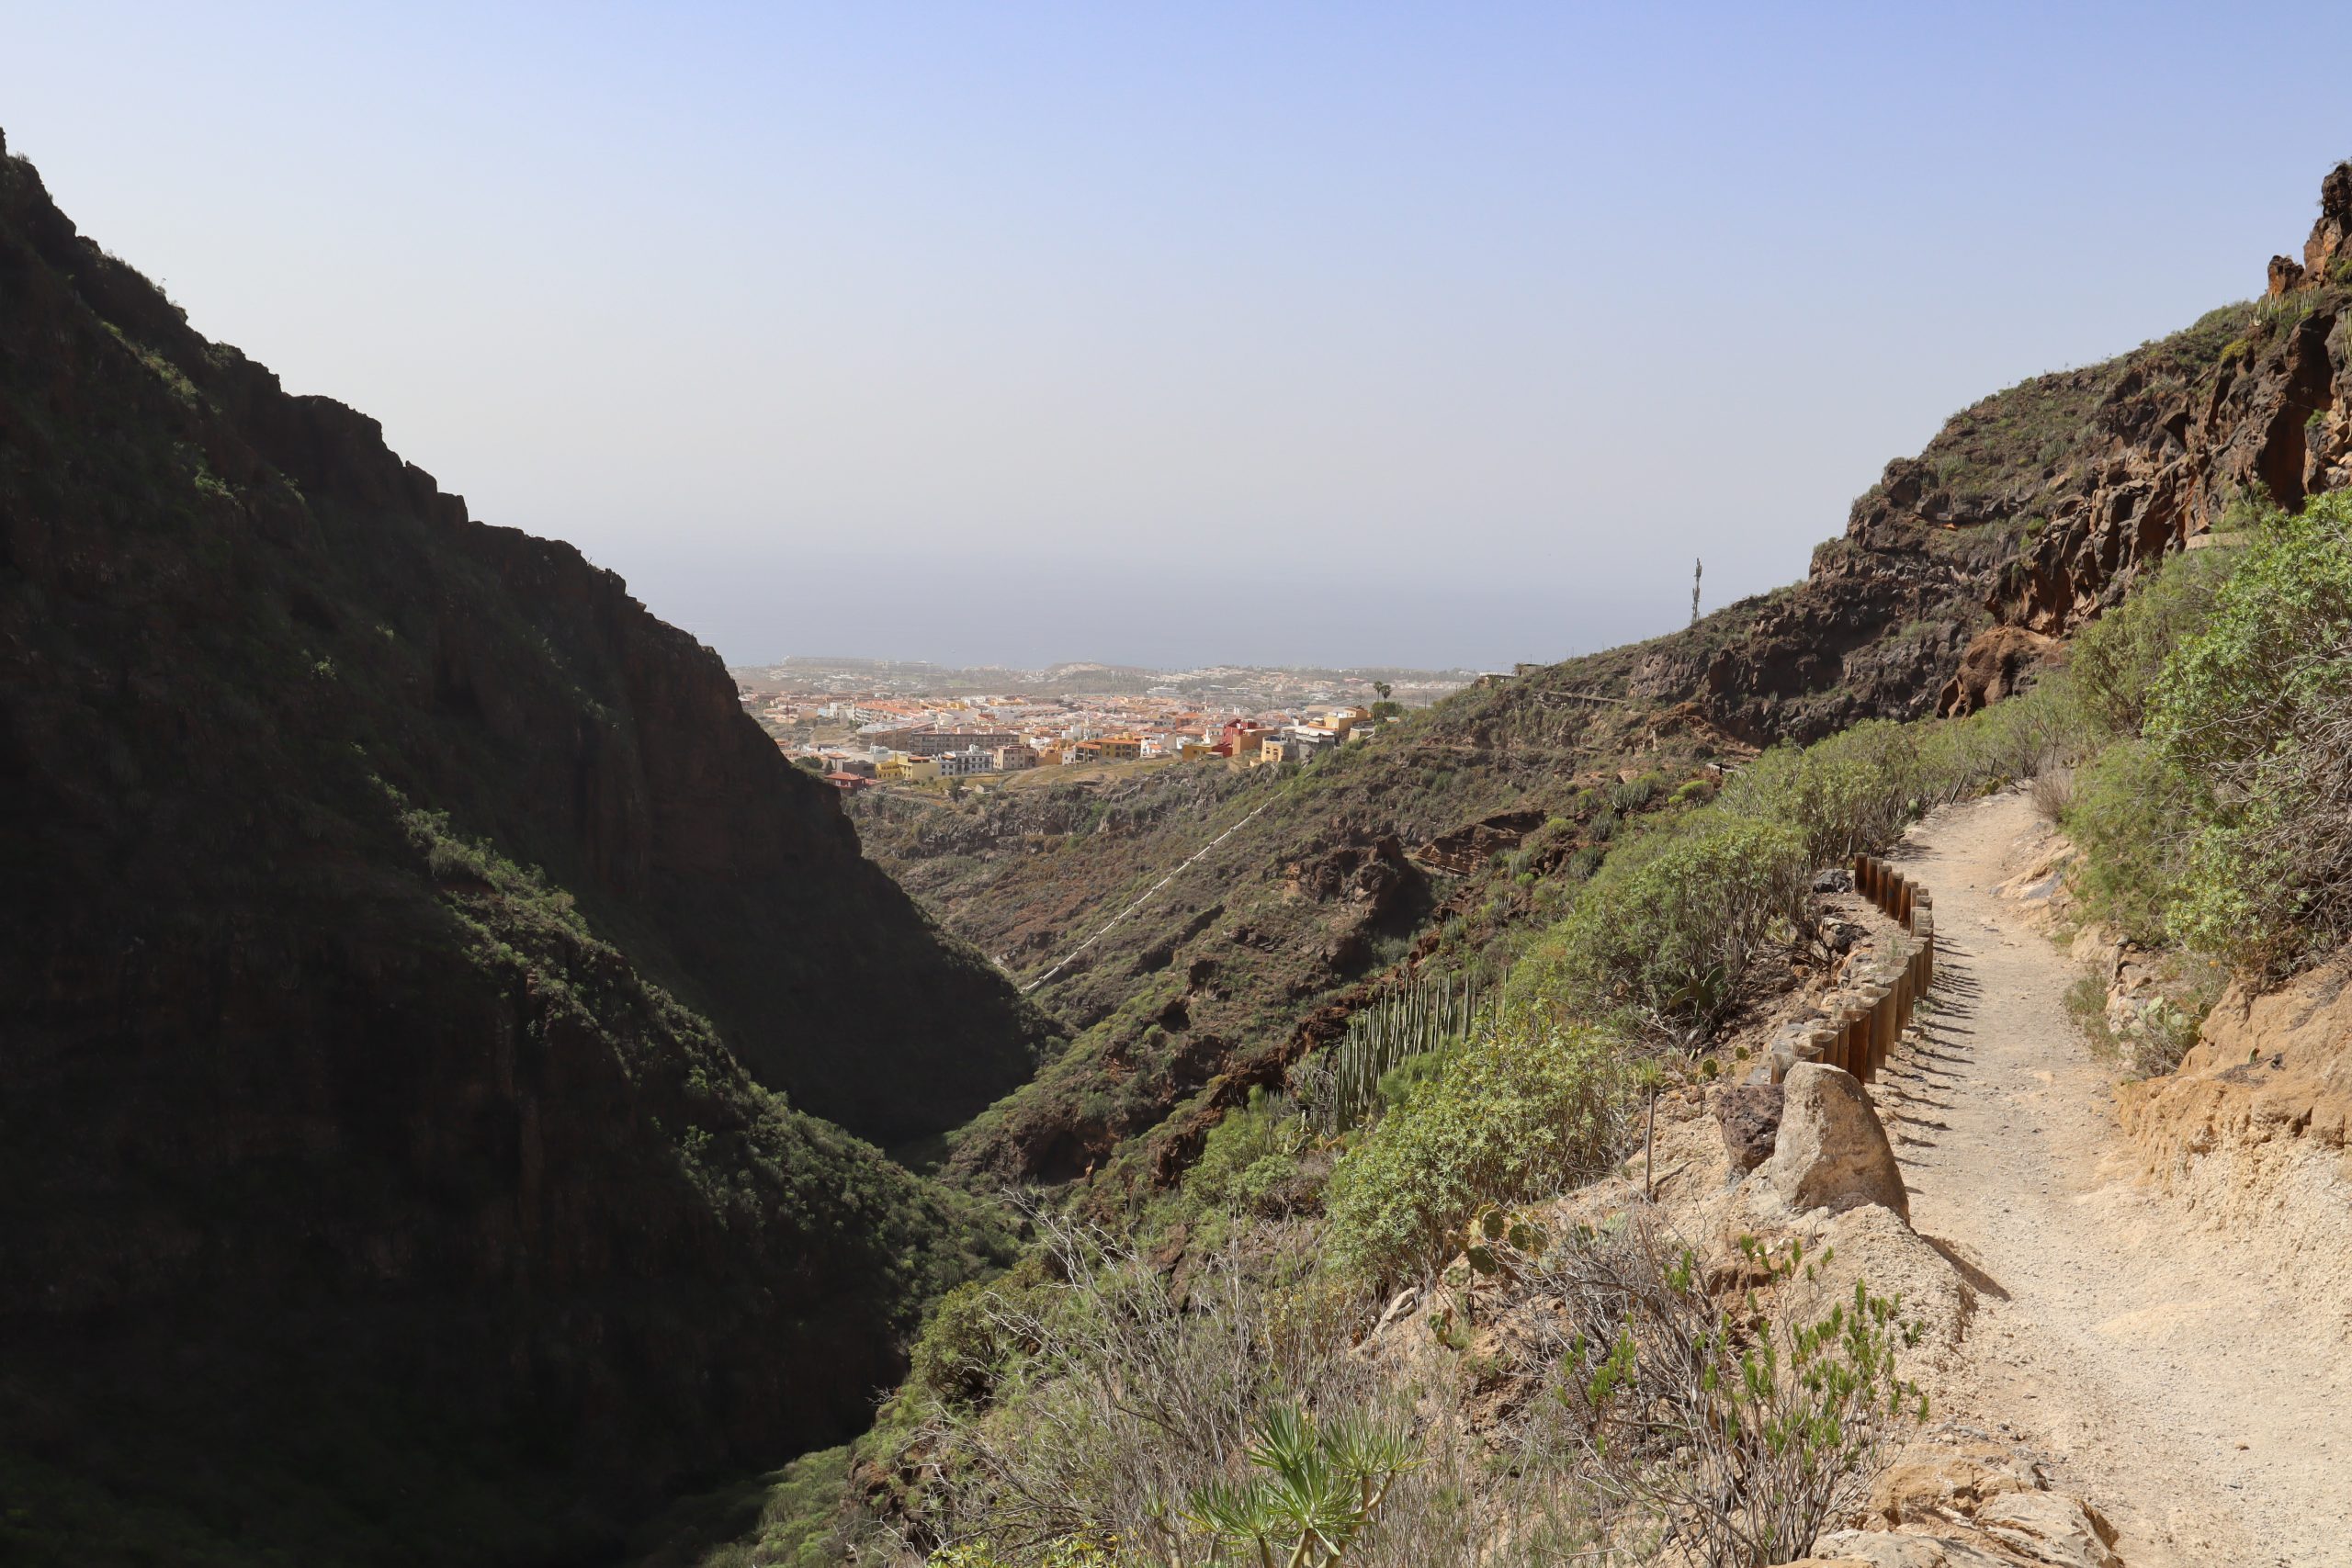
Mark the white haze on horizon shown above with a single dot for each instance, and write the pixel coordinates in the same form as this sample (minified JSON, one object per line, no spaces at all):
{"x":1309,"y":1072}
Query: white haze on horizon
{"x":1413,"y":335}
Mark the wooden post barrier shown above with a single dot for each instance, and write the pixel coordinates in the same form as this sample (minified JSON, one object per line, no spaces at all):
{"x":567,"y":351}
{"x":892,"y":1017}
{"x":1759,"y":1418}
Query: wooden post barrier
{"x":1868,"y":1019}
{"x":1902,"y":993}
{"x":1882,"y":1025}
{"x":1857,"y":1035}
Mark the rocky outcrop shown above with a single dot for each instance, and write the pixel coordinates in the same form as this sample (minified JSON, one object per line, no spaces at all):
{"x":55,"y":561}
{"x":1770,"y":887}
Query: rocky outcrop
{"x":2000,"y":662}
{"x":406,"y":940}
{"x":2327,"y":251}
{"x":2035,"y":509}
{"x":2266,"y":1066}
{"x":1970,"y":1505}
{"x":1831,"y":1152}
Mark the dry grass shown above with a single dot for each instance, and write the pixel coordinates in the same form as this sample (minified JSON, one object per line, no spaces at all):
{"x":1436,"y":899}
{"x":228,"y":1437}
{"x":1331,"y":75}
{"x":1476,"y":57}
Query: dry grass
{"x":2052,"y":791}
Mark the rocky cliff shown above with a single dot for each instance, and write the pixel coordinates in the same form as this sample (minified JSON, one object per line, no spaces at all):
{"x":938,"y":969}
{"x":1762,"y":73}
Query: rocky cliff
{"x":2032,"y":510}
{"x":409,"y":952}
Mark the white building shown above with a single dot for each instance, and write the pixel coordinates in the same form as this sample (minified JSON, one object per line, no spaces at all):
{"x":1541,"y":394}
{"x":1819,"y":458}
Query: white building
{"x":964,"y":765}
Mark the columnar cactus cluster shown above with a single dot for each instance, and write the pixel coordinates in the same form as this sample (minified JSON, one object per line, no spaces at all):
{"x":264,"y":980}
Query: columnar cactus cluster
{"x":1404,"y":1024}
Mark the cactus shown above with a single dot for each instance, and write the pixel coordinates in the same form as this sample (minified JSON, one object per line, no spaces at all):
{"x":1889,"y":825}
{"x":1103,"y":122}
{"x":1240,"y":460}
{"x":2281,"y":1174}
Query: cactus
{"x":1403,"y":1023}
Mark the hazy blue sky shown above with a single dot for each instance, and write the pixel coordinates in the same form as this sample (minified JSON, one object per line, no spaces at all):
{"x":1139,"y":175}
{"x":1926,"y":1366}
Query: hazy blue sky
{"x":1444,"y":333}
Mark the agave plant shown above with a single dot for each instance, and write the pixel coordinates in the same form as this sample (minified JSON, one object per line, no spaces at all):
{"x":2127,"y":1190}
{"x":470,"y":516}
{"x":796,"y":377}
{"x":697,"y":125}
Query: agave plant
{"x":1321,"y":1486}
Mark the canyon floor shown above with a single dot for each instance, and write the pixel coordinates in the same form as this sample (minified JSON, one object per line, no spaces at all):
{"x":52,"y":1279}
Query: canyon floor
{"x":2160,"y":1364}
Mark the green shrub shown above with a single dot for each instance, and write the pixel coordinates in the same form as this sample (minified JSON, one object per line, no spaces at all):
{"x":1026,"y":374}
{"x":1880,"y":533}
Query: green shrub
{"x":1516,"y":1116}
{"x":1695,"y":792}
{"x":2254,"y":713}
{"x":2130,"y":816}
{"x":1850,"y":793}
{"x":1634,"y":793}
{"x":2115,"y":662}
{"x":2015,"y":739}
{"x":1251,"y":1159}
{"x":962,"y":1350}
{"x":1318,"y":1488}
{"x":2087,"y":1005}
{"x":1738,"y":1437}
{"x":1672,"y":927}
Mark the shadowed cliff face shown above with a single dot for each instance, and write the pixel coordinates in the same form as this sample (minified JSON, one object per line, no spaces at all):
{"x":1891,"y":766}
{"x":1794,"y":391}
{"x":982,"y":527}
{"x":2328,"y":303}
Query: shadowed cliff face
{"x":404,"y":936}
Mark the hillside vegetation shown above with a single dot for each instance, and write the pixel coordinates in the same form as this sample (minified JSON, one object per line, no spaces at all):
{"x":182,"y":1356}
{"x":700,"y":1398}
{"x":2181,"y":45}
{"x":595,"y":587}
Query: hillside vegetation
{"x":1623,"y":881}
{"x":1014,"y":1443}
{"x":416,"y":976}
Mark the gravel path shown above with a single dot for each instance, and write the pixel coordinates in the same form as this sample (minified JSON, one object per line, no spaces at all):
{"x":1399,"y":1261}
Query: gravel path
{"x":2148,"y":1358}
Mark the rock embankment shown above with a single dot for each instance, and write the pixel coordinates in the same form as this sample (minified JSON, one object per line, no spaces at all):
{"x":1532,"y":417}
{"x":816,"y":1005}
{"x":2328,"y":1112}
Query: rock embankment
{"x":2250,"y":1134}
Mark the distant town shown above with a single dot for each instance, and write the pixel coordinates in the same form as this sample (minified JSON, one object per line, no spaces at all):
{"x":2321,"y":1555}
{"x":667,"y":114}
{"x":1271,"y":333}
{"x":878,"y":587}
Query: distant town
{"x":866,"y":722}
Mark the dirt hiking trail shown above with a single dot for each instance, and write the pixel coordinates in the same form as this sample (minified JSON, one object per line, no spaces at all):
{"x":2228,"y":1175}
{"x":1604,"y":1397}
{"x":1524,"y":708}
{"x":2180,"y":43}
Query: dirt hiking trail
{"x":2147,"y":1357}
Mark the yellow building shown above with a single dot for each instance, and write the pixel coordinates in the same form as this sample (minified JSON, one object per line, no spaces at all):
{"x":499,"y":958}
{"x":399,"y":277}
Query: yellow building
{"x":907,"y":770}
{"x":1109,"y":748}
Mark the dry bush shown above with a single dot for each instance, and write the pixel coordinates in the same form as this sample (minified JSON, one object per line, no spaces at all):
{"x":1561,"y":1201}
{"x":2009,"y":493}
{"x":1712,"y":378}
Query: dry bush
{"x":1730,"y":1429}
{"x":2052,"y":791}
{"x":1143,"y":1393}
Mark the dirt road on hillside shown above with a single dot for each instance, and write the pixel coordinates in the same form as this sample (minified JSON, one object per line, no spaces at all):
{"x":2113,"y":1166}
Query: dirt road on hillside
{"x":2150,"y":1360}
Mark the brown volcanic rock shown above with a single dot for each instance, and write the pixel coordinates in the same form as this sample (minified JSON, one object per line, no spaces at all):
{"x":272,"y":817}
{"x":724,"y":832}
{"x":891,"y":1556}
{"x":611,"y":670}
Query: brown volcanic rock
{"x":2331,"y":238}
{"x":362,"y":1196}
{"x":1750,"y":1115}
{"x":1999,"y":661}
{"x":2040,"y":505}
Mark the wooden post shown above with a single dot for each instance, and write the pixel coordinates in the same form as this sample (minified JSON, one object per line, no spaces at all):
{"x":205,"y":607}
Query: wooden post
{"x":1649,"y":1145}
{"x":1869,"y":1032}
{"x":1823,"y":1044}
{"x":1883,"y":1036}
{"x":1901,"y":999}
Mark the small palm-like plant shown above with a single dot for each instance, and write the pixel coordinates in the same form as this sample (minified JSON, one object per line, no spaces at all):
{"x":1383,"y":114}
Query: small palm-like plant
{"x":1321,"y":1486}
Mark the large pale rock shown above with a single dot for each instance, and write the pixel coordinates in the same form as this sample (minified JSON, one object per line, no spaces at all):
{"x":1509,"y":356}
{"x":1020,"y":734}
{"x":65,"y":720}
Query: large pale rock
{"x":1831,"y":1152}
{"x":1946,"y":1486}
{"x":2049,"y":1526}
{"x":1881,"y":1549}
